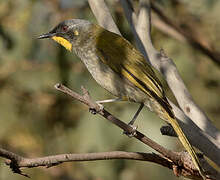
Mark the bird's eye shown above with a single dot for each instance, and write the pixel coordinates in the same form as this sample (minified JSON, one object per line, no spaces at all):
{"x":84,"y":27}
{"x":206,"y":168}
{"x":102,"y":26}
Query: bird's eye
{"x":64,"y":28}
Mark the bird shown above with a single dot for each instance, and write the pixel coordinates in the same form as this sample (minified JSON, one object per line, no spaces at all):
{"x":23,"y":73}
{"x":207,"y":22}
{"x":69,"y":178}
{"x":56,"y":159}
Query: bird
{"x":119,"y":68}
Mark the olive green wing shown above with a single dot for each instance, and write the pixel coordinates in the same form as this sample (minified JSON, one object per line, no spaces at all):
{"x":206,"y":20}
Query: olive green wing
{"x":125,"y":60}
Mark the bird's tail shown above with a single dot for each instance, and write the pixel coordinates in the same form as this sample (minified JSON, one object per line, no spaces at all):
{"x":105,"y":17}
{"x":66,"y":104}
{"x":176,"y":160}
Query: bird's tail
{"x":164,"y":110}
{"x":186,"y":144}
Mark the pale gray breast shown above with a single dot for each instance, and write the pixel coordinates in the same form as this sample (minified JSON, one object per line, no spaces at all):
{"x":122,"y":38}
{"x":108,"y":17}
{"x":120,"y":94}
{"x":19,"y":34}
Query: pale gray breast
{"x":108,"y":79}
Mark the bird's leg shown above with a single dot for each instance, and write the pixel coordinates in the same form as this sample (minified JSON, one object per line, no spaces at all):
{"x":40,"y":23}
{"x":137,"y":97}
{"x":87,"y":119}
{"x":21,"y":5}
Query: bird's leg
{"x":109,"y":100}
{"x":104,"y":101}
{"x":131,"y":123}
{"x":136,"y":114}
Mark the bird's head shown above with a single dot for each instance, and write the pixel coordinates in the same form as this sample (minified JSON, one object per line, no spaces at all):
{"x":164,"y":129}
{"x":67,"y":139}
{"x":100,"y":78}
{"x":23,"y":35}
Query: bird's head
{"x":70,"y":33}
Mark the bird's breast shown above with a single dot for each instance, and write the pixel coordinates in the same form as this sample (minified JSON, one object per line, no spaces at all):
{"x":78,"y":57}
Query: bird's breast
{"x":107,"y":78}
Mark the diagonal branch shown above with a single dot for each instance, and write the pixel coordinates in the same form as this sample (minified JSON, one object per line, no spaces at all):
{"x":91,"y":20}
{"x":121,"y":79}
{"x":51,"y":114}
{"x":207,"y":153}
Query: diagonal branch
{"x":85,"y":99}
{"x":189,"y":36}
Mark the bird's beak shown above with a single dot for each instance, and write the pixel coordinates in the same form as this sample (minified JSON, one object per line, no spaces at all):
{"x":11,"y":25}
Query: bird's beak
{"x":46,"y":35}
{"x":58,"y":39}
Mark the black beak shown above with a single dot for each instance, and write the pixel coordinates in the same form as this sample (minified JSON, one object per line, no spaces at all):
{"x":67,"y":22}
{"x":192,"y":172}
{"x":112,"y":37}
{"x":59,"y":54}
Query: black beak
{"x":46,"y":35}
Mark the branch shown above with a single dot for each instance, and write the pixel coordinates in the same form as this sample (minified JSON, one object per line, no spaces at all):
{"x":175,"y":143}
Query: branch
{"x":54,"y":160}
{"x":167,"y":29}
{"x":168,"y":131}
{"x":166,"y":66}
{"x":85,"y":99}
{"x":105,"y":18}
{"x":189,"y":36}
{"x":179,"y":159}
{"x":14,"y":161}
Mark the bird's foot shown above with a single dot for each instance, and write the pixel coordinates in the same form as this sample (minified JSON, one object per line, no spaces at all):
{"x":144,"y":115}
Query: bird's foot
{"x":131,"y":133}
{"x":94,"y":111}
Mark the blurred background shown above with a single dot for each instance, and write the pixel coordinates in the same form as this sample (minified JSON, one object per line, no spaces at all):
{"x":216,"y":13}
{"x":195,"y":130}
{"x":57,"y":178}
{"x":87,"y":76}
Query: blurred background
{"x":36,"y":120}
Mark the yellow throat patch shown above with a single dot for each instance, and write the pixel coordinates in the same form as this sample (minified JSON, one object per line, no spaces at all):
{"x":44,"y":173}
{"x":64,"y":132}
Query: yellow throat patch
{"x":63,"y":42}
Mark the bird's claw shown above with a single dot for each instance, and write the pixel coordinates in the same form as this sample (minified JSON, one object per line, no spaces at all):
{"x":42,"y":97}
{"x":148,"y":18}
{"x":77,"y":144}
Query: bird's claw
{"x":133,"y":132}
{"x":101,"y":107}
{"x":94,"y":111}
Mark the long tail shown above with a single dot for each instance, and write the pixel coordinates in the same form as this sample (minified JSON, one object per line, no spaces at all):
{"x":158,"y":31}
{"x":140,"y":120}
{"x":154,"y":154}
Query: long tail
{"x":162,"y":107}
{"x":185,"y":142}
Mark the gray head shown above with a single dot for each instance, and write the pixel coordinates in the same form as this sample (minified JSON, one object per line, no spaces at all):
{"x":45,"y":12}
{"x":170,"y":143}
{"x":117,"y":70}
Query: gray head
{"x":69,"y":32}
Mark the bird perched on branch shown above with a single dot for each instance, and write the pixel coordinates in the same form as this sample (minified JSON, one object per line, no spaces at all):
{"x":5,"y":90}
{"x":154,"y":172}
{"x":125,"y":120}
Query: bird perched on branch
{"x":119,"y":68}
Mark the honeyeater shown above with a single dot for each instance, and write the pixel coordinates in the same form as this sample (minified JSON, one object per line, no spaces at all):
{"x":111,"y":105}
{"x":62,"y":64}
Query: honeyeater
{"x":119,"y":68}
